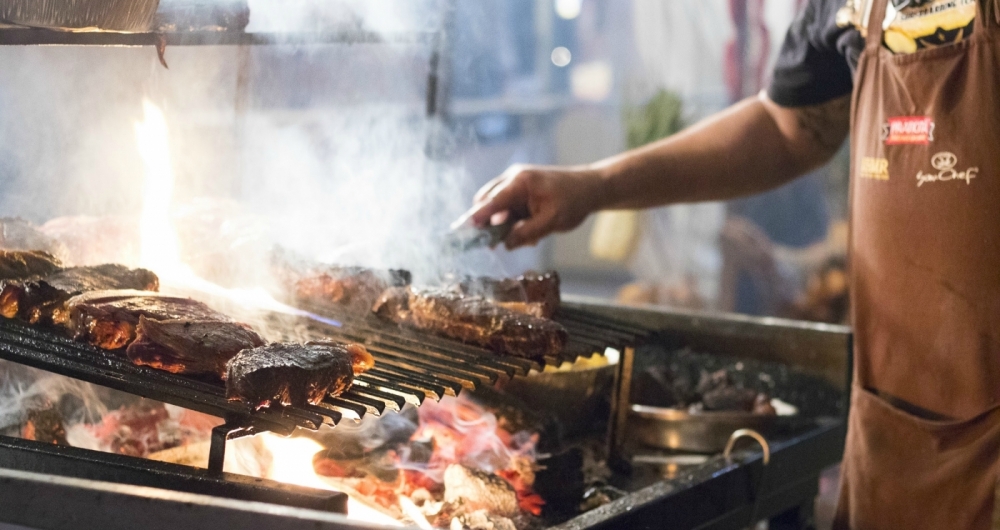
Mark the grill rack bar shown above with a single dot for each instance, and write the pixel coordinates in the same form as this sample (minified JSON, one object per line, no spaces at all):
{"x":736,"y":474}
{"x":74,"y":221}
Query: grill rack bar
{"x":410,"y":367}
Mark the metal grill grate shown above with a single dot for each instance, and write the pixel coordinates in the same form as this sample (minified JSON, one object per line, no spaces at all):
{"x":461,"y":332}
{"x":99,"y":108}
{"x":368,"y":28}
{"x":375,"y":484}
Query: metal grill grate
{"x":409,"y":368}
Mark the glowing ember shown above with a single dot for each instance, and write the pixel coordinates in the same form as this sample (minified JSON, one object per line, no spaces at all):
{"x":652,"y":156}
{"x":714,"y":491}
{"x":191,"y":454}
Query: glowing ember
{"x":292,"y":464}
{"x":159,"y":249}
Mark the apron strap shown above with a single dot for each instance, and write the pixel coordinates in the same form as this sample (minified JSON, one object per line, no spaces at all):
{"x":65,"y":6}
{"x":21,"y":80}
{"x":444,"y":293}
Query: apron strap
{"x":987,"y":15}
{"x":876,"y":17}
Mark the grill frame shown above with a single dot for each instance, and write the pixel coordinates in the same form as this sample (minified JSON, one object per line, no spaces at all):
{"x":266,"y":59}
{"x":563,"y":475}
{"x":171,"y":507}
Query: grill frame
{"x":721,"y":494}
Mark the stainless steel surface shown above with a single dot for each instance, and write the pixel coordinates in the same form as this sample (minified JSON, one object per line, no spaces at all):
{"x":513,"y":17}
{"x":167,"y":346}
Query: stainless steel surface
{"x":62,"y":503}
{"x":703,"y":432}
{"x":109,"y":15}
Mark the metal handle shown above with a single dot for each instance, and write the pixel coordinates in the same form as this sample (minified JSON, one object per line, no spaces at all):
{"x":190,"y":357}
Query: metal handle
{"x":747,"y":433}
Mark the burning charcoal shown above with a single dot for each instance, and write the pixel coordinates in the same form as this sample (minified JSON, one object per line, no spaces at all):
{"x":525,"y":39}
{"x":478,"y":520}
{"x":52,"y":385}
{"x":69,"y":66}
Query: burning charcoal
{"x":473,"y":320}
{"x":713,"y":381}
{"x":420,"y":451}
{"x":477,"y":490}
{"x":730,"y":398}
{"x":45,"y":425}
{"x":294,"y":374}
{"x":354,"y":462}
{"x":481,"y":520}
{"x":108,"y":319}
{"x":663,"y":386}
{"x":43,"y":301}
{"x":190,"y":346}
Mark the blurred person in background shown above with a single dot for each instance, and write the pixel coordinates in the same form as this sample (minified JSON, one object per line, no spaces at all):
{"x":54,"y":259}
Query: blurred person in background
{"x":917,"y":83}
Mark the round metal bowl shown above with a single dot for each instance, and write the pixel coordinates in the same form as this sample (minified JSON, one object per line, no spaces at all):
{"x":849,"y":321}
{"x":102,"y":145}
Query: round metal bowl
{"x":108,"y":15}
{"x":577,"y":397}
{"x":701,"y":432}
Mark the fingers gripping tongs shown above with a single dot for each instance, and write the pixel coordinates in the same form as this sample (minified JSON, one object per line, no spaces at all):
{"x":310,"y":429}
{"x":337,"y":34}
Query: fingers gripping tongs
{"x":465,"y":237}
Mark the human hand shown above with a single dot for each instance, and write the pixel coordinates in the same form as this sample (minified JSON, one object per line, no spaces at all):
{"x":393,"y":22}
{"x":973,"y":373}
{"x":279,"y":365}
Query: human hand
{"x":540,"y":199}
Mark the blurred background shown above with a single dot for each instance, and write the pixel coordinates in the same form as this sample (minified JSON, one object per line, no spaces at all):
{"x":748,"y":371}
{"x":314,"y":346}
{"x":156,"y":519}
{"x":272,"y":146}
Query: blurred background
{"x":344,"y":152}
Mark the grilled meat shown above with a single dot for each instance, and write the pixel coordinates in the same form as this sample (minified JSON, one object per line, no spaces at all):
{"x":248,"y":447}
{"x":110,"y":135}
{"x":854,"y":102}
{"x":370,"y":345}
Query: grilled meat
{"x":534,"y":293}
{"x":473,"y":320}
{"x":190,"y":346}
{"x":355,"y":287}
{"x":42,"y":299}
{"x":179,"y":335}
{"x":294,"y":374}
{"x":21,"y":264}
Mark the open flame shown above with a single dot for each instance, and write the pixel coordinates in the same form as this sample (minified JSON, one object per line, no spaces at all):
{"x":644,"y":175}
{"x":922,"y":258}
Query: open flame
{"x":159,"y":248}
{"x":292,"y":464}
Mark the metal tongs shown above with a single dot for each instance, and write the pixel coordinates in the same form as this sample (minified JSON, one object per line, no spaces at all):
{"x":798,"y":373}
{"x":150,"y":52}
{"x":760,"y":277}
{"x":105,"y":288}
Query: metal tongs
{"x":466,"y":237}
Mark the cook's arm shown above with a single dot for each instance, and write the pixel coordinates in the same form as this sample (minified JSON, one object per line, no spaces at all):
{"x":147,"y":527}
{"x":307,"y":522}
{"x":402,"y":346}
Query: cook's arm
{"x":751,"y":147}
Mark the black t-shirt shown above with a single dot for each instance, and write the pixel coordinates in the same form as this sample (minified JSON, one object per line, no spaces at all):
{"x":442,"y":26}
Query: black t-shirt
{"x":823,"y":44}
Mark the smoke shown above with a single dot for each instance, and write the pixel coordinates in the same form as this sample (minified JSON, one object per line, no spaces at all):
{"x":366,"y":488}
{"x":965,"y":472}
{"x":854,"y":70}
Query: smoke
{"x":24,"y":390}
{"x":324,"y":146}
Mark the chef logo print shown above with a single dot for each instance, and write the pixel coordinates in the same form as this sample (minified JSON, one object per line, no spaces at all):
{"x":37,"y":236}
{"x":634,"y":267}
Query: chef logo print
{"x":944,"y":163}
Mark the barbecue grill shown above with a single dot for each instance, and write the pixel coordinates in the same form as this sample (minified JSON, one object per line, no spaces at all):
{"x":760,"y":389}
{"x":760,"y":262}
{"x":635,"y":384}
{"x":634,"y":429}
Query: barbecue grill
{"x":58,"y":487}
{"x":719,"y":493}
{"x":410,"y":367}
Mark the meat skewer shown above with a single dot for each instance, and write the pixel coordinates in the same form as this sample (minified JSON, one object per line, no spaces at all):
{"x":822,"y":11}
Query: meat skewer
{"x":294,"y":374}
{"x":473,"y":320}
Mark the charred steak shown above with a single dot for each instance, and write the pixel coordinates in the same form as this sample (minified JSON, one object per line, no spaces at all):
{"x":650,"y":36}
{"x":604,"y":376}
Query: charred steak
{"x":169,"y":333}
{"x":474,"y":320}
{"x":294,"y":374}
{"x":108,"y":319}
{"x":534,"y":293}
{"x":42,"y":299}
{"x":190,"y":346}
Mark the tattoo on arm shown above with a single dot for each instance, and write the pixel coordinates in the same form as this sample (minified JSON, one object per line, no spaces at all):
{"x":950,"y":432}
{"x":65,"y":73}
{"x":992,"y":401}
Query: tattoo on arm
{"x":826,"y":124}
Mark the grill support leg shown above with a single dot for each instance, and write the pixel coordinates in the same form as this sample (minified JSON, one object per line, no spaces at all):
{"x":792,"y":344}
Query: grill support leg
{"x":220,"y":435}
{"x":620,"y":405}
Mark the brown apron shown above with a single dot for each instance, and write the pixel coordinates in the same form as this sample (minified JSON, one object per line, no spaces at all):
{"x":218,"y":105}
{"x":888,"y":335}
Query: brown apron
{"x":923,"y":440}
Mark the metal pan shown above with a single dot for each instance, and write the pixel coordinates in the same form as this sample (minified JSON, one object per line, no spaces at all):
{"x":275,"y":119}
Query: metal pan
{"x":700,"y":432}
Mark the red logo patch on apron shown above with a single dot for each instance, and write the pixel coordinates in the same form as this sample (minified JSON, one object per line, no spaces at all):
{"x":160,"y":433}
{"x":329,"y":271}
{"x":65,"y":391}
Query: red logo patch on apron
{"x":914,"y":130}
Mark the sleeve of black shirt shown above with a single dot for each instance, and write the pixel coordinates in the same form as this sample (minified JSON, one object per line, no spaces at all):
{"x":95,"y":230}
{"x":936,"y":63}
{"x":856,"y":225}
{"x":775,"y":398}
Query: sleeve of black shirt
{"x":812,"y":67}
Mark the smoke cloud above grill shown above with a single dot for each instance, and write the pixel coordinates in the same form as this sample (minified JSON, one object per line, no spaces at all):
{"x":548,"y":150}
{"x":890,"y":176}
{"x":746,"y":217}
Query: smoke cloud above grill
{"x":319,"y":148}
